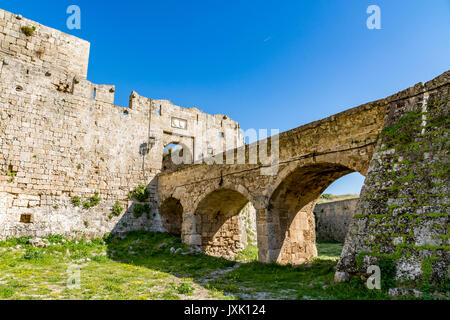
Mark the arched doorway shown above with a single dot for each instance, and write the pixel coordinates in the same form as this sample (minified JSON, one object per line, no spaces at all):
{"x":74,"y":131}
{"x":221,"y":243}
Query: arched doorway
{"x":175,"y":155}
{"x":219,"y":223}
{"x":290,"y":211}
{"x":171,"y":212}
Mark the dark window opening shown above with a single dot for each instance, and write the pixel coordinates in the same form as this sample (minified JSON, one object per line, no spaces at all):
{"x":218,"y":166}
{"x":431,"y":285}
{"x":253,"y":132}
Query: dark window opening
{"x":25,"y":218}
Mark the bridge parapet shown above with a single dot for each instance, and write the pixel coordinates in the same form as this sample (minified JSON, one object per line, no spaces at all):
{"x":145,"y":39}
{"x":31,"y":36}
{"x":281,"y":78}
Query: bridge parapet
{"x":317,"y":153}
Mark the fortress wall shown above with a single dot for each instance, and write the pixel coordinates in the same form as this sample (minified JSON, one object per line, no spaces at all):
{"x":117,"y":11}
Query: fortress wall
{"x":47,"y":48}
{"x":58,"y":146}
{"x":333,"y":219}
{"x":201,"y":132}
{"x":402,"y":218}
{"x":58,"y":142}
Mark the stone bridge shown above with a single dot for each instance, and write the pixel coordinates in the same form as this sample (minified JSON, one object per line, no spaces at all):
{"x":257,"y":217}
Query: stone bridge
{"x":202,"y":201}
{"x":400,"y":144}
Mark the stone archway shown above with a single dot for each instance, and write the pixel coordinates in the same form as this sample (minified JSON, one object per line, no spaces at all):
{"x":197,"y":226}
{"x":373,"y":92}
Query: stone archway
{"x":289,"y":215}
{"x":218,"y":222}
{"x":177,"y":155}
{"x":171,"y":212}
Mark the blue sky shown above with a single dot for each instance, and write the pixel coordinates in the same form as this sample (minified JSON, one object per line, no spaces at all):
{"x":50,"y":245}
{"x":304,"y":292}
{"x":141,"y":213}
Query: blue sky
{"x":266,"y":64}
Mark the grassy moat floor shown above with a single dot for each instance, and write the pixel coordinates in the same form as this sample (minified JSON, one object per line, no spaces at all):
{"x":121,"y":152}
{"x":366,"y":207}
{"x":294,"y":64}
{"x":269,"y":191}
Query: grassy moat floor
{"x":143,"y":266}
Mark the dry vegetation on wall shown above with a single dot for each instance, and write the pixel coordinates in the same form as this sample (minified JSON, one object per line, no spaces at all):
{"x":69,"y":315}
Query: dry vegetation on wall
{"x":326,"y":197}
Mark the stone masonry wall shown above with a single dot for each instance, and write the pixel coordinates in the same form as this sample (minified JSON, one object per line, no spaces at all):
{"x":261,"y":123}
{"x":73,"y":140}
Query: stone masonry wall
{"x":402,"y":221}
{"x":333,"y":219}
{"x":247,"y":217}
{"x":221,"y":236}
{"x":47,"y":48}
{"x":62,"y":137}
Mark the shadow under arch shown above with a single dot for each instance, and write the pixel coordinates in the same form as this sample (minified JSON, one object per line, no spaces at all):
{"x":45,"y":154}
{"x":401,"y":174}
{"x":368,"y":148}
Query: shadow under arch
{"x":290,"y":208}
{"x":226,"y":186}
{"x":171,"y":212}
{"x":218,"y":222}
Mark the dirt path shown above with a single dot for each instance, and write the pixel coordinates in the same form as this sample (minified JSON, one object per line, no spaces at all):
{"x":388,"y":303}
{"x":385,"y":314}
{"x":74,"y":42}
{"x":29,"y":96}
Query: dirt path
{"x":217,"y":274}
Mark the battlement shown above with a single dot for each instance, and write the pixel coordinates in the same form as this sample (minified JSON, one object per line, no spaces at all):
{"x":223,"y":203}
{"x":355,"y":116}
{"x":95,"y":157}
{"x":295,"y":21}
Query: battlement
{"x":63,"y":59}
{"x":46,"y":48}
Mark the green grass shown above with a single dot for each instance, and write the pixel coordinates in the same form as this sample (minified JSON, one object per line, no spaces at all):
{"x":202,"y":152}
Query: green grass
{"x":248,"y":254}
{"x":133,"y":268}
{"x":329,"y":251}
{"x":255,"y":280}
{"x":141,"y":266}
{"x":332,"y":198}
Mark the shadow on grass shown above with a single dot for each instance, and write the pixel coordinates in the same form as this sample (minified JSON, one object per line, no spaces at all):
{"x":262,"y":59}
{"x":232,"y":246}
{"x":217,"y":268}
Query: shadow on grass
{"x":252,"y":280}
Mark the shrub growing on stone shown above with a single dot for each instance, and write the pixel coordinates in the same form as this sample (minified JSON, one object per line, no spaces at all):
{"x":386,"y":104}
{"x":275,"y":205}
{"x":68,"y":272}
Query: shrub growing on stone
{"x":11,"y":174}
{"x":117,"y":209}
{"x":91,"y":202}
{"x":76,"y":201}
{"x":28,"y":31}
{"x":86,"y":205}
{"x":140,"y":193}
{"x":94,"y":200}
{"x":140,"y":209}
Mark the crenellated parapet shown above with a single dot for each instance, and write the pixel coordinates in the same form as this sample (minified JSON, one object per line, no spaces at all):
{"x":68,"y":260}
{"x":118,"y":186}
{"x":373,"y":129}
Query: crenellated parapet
{"x":43,"y":47}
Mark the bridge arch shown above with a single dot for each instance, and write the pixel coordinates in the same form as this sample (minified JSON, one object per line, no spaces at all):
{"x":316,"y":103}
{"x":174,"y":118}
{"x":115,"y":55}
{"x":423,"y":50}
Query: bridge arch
{"x":225,"y":185}
{"x":171,"y":212}
{"x":361,"y":167}
{"x":218,"y":223}
{"x":290,"y":225}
